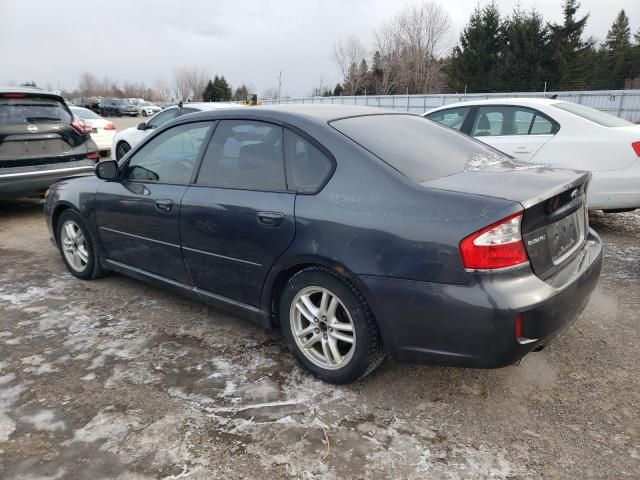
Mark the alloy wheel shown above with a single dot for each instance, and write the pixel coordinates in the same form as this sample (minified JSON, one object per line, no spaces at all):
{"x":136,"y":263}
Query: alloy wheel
{"x":322,"y":328}
{"x":74,"y":245}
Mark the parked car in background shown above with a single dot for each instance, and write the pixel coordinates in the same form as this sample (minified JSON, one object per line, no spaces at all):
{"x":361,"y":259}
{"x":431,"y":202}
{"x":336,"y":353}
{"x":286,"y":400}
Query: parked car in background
{"x":40,"y":141}
{"x":558,"y":134}
{"x":102,"y":131}
{"x":117,"y":107}
{"x":129,"y":138}
{"x":147,"y":109}
{"x":358,"y":231}
{"x":91,"y":103}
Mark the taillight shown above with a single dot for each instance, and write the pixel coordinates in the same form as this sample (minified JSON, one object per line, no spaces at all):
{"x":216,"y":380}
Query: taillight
{"x":499,"y":245}
{"x":93,"y":155}
{"x":13,"y":95}
{"x":80,"y":126}
{"x":109,"y":126}
{"x":636,"y":148}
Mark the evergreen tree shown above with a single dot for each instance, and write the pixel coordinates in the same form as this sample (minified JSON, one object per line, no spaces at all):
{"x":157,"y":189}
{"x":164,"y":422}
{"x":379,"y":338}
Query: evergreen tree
{"x":209,"y":92}
{"x":337,"y":91}
{"x":573,"y":59}
{"x":364,"y":83}
{"x":475,"y":62}
{"x":525,"y":56}
{"x":618,"y":56}
{"x":241,"y":93}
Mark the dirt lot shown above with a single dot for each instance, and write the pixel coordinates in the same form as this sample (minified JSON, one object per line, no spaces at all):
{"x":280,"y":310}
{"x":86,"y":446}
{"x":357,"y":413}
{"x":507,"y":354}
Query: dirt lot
{"x":117,"y":379}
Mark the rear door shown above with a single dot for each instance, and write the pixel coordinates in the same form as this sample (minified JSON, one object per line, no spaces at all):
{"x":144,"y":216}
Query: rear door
{"x":138,"y":215}
{"x":517,"y":131}
{"x":238,"y":217}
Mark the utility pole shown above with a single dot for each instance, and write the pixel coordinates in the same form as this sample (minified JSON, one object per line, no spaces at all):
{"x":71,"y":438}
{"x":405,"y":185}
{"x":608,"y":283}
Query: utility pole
{"x":280,"y":85}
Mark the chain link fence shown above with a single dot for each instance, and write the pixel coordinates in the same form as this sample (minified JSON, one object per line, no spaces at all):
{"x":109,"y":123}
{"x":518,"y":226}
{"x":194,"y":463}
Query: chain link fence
{"x":622,"y":103}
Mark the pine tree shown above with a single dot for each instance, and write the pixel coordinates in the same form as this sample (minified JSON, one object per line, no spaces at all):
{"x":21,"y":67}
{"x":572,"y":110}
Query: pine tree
{"x":573,"y":59}
{"x":475,"y":62}
{"x":525,"y":56}
{"x":337,"y":91}
{"x":618,"y":56}
{"x":209,"y":92}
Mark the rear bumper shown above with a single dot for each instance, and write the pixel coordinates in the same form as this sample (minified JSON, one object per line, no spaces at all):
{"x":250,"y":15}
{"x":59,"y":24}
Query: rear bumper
{"x":473,"y":325}
{"x":20,"y":180}
{"x":616,"y":189}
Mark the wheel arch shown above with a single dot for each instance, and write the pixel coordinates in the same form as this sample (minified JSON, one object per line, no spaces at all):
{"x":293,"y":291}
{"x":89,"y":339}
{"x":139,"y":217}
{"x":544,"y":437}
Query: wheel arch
{"x":55,"y":216}
{"x":281,"y":273}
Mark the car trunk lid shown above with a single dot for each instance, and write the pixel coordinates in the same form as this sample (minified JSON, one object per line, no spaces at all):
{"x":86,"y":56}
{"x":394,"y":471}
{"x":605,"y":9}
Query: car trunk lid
{"x":555,"y":221}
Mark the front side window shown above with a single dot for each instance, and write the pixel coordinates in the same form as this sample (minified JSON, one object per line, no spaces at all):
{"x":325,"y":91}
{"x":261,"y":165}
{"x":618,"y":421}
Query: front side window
{"x":171,"y":156}
{"x":307,"y":166}
{"x":452,"y":118}
{"x":246,"y":155}
{"x":162,"y":117}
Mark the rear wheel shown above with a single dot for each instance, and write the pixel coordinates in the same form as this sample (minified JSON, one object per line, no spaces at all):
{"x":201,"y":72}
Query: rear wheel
{"x":121,"y":149}
{"x":329,"y":327}
{"x":76,"y":246}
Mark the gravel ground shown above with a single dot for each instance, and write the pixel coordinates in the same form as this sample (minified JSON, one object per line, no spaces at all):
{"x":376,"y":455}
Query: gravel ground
{"x":117,"y":379}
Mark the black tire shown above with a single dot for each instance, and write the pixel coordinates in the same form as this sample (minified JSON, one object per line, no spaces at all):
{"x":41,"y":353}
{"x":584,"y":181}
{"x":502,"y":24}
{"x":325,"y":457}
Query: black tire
{"x":368,"y":351}
{"x":93,"y":268}
{"x":144,"y":114}
{"x":121,"y":149}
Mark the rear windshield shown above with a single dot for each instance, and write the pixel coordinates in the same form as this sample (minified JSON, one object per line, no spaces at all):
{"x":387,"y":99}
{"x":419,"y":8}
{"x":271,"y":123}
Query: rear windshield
{"x":32,"y":110}
{"x":420,"y":149}
{"x":85,"y":113}
{"x":601,"y":118}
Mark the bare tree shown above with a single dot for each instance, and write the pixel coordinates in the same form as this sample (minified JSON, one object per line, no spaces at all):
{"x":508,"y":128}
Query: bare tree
{"x":423,"y":30}
{"x":347,"y":54}
{"x":88,"y":85}
{"x":181,"y":85}
{"x":322,"y":89}
{"x":197,"y":81}
{"x":270,"y":93}
{"x":163,"y":91}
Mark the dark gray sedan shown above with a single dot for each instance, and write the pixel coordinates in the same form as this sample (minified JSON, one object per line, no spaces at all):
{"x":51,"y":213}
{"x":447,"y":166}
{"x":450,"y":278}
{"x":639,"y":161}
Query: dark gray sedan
{"x":358,"y":232}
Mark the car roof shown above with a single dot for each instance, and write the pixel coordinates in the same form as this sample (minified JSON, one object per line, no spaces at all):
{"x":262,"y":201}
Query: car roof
{"x":30,"y":91}
{"x":210,"y":105}
{"x":524,"y":101}
{"x":325,"y":112}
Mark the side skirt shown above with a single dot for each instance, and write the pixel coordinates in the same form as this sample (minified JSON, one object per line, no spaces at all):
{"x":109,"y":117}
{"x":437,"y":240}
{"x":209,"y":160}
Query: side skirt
{"x":218,"y":301}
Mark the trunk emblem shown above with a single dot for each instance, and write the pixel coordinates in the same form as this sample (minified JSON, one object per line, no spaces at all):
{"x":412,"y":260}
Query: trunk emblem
{"x":32,"y":128}
{"x":536,"y":240}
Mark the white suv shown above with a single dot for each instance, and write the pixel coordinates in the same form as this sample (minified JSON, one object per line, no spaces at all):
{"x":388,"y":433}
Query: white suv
{"x":129,"y":138}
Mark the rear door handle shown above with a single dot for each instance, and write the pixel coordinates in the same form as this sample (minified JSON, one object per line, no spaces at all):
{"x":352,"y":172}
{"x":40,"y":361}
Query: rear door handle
{"x":270,"y":219}
{"x":522,"y":150}
{"x":164,"y":205}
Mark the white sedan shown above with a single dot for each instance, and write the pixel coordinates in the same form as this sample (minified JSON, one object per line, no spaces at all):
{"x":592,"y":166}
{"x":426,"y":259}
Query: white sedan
{"x":558,"y":134}
{"x":102,"y":130}
{"x":129,"y":138}
{"x":147,"y":109}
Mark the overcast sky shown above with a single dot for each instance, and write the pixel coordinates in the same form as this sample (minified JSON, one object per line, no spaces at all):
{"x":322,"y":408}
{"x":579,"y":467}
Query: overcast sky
{"x":53,"y":42}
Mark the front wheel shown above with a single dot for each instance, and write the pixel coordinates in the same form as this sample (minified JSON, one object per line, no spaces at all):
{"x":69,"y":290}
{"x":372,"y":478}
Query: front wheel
{"x":76,"y":246}
{"x":122,"y":149}
{"x":329,"y":327}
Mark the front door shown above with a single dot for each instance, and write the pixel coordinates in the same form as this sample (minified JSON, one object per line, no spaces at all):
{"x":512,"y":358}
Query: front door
{"x":138,"y":215}
{"x":238,"y":217}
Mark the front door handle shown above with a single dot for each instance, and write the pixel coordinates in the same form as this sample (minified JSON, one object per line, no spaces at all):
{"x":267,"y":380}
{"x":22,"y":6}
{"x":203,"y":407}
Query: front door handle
{"x":270,"y":219}
{"x":164,"y":205}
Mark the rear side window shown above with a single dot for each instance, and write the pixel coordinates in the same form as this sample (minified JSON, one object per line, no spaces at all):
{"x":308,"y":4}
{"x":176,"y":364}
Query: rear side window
{"x":32,"y":110}
{"x":245,"y":155}
{"x":413,"y":145}
{"x":452,"y":118}
{"x":596,"y":116}
{"x":307,"y":167}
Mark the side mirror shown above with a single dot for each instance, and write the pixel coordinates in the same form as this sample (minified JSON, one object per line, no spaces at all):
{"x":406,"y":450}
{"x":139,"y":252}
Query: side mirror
{"x":142,"y":126}
{"x":107,"y":169}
